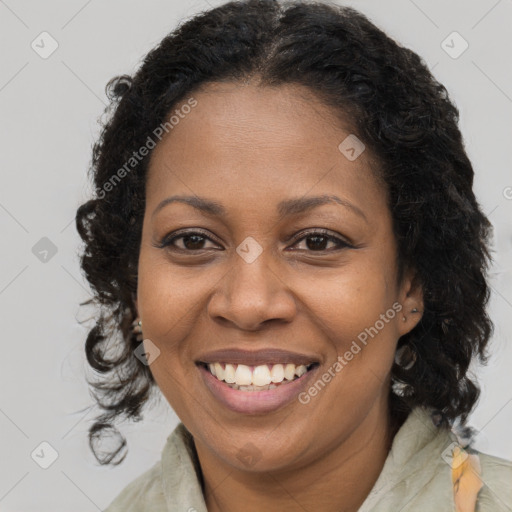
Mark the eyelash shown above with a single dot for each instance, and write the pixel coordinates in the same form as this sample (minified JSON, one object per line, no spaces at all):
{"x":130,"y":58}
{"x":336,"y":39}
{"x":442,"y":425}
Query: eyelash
{"x":168,"y":241}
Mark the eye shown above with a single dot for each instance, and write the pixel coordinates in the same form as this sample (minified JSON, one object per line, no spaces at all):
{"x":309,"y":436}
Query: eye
{"x":316,"y":241}
{"x":191,"y":241}
{"x":194,"y":241}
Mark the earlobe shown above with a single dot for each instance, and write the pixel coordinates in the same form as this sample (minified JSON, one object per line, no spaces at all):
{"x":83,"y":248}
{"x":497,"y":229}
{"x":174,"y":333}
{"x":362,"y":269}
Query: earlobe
{"x":412,"y":303}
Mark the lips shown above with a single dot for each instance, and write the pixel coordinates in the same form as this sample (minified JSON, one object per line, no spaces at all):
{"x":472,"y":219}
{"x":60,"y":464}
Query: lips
{"x":256,"y":402}
{"x":256,"y":357}
{"x":261,"y":400}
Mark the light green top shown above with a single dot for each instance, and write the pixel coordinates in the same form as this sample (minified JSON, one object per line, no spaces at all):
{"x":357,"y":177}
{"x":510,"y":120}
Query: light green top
{"x":416,"y":476}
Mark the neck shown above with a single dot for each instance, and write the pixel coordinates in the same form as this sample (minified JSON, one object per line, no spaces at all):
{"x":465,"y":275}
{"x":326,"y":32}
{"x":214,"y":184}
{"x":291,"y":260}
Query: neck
{"x":338,"y":480}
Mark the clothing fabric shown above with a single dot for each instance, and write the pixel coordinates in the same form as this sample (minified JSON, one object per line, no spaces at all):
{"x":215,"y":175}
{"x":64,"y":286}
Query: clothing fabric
{"x":426,"y":470}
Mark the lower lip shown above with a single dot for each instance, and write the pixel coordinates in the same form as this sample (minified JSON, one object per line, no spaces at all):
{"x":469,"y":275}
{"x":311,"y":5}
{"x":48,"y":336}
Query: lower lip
{"x":256,"y":402}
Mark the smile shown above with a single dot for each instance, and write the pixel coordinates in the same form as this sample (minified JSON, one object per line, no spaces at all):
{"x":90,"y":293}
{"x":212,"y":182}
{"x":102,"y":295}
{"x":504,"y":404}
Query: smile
{"x":256,"y":378}
{"x":244,"y":396}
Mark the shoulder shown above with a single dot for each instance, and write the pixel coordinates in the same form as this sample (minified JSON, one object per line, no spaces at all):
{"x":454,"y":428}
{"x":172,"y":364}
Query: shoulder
{"x":172,"y":483}
{"x":428,"y":469}
{"x":143,"y":493}
{"x":496,"y":476}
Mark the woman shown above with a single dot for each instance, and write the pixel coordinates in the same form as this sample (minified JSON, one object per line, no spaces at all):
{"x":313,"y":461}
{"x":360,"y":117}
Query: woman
{"x":285,"y":241}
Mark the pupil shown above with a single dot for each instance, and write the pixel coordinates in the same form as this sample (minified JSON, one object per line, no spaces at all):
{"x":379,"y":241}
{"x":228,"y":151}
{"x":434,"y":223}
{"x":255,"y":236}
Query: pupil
{"x":316,"y":241}
{"x":195,"y":244}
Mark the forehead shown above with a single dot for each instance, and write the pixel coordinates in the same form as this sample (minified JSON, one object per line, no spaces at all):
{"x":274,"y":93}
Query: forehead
{"x":271,"y":140}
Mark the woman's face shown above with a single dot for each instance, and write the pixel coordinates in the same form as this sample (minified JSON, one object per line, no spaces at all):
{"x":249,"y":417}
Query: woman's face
{"x":254,"y":279}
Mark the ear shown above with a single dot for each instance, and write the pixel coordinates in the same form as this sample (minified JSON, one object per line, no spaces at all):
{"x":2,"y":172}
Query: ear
{"x":411,"y":299}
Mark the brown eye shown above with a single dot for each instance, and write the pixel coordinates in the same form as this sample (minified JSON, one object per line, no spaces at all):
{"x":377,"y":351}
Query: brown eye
{"x":191,"y":241}
{"x":317,"y":241}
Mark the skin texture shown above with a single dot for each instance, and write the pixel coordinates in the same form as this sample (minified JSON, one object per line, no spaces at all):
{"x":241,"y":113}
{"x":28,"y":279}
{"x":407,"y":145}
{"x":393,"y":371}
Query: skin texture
{"x":249,"y":148}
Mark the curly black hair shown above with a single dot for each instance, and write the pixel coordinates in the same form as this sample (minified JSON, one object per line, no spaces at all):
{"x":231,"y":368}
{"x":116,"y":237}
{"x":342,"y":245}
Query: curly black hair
{"x":394,"y":105}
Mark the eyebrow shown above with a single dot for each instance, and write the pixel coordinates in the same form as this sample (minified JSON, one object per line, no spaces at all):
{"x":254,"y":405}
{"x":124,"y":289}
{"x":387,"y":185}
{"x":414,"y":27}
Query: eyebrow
{"x":200,"y":203}
{"x":304,"y":204}
{"x":284,"y":208}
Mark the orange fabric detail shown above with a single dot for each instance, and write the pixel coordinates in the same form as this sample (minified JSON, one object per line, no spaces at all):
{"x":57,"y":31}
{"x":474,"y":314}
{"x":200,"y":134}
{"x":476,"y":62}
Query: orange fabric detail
{"x":465,"y":479}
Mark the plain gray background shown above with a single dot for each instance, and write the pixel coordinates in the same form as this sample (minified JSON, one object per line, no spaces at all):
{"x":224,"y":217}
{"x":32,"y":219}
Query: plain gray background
{"x":49,"y":112}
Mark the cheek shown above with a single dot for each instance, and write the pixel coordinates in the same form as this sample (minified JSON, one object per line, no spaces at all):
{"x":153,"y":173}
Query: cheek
{"x":168,"y":295}
{"x":358,"y":314}
{"x":347,"y":301}
{"x":166,"y":304}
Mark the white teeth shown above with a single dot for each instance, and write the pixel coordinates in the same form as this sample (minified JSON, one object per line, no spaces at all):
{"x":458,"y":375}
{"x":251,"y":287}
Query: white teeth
{"x":243,"y":375}
{"x":289,"y":371}
{"x":300,"y":370}
{"x":229,"y":374}
{"x":219,"y":372}
{"x":277,"y":373}
{"x":261,"y":377}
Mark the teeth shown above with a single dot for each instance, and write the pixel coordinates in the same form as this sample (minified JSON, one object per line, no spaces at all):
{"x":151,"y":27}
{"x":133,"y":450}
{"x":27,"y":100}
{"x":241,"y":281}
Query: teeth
{"x":259,"y":378}
{"x":277,"y":373}
{"x":289,"y":372}
{"x":300,"y":370}
{"x":229,"y":374}
{"x":252,"y":388}
{"x":243,"y":375}
{"x":219,"y":371}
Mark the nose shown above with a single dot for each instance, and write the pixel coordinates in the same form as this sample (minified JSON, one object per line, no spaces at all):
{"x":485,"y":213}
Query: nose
{"x":250,"y":295}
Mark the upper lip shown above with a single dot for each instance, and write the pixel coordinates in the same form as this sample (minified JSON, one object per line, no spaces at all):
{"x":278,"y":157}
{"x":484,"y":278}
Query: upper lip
{"x":256,"y":357}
